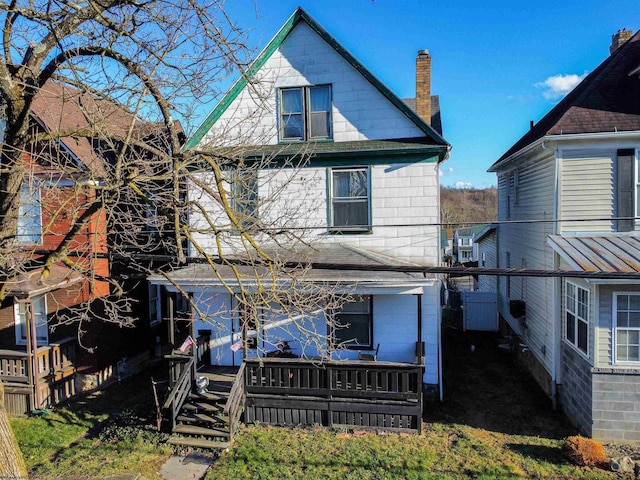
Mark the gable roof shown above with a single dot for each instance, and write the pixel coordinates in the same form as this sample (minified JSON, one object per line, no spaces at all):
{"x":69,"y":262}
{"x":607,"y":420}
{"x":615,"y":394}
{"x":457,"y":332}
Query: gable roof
{"x":607,"y":100}
{"x":299,"y":15}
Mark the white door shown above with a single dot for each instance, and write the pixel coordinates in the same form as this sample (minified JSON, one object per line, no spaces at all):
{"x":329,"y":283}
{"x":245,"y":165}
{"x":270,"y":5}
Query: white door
{"x":480,"y":311}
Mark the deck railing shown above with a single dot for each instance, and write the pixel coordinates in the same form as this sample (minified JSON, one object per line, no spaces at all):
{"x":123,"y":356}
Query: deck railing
{"x":181,"y":374}
{"x":362,"y":394}
{"x":53,"y":364}
{"x":235,"y":402}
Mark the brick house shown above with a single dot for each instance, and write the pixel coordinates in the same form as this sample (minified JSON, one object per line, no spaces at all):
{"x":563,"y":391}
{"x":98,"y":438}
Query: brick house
{"x":59,"y":316}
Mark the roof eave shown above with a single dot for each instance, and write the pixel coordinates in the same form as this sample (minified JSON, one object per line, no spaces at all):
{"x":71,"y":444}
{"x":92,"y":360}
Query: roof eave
{"x":301,"y":15}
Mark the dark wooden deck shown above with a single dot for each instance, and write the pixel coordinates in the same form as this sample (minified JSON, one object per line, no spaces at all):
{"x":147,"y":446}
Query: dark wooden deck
{"x":360,"y":394}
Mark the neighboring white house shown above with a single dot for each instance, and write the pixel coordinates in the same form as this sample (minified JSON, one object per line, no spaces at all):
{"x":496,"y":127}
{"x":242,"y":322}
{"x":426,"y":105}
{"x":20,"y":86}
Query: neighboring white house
{"x":313,"y":143}
{"x":464,"y":249}
{"x":578,"y":168}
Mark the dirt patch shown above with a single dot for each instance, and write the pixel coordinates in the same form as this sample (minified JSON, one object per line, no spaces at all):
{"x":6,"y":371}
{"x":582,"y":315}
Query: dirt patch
{"x":485,"y":388}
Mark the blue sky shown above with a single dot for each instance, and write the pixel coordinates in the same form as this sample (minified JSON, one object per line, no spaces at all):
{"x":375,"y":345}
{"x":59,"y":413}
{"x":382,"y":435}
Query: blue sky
{"x":496,"y":64}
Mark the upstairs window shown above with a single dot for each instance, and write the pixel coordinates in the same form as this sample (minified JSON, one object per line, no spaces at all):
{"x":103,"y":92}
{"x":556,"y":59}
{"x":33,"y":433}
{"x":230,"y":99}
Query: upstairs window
{"x":350,"y":200}
{"x":305,"y":113}
{"x":29,"y":229}
{"x":577,"y":317}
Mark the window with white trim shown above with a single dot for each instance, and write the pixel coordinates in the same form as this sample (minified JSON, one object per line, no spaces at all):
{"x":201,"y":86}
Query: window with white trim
{"x":354,"y":323}
{"x":576,"y":308}
{"x":350,"y":199}
{"x":29,"y":229}
{"x":38,"y":307}
{"x":626,"y":322}
{"x":305,"y":113}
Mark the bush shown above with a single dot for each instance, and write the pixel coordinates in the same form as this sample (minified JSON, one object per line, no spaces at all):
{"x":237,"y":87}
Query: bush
{"x":584,"y":451}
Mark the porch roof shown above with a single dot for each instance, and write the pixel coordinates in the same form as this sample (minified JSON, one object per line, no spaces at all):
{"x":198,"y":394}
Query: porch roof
{"x":617,"y":253}
{"x":31,"y":283}
{"x":341,"y":264}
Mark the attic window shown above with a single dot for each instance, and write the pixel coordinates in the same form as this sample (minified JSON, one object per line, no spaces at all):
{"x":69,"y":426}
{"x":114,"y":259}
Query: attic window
{"x":305,"y":113}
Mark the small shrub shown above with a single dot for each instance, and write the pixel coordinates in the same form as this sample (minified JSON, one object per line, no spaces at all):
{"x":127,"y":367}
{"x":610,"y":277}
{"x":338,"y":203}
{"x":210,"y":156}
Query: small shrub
{"x":584,"y":451}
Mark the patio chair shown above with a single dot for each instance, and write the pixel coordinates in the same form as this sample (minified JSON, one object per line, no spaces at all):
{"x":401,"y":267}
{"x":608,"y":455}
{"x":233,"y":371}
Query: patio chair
{"x":371,"y":357}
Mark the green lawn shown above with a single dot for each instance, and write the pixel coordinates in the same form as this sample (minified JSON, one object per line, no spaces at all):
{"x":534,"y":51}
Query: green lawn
{"x":109,"y":432}
{"x":494,"y":423}
{"x":442,"y":451}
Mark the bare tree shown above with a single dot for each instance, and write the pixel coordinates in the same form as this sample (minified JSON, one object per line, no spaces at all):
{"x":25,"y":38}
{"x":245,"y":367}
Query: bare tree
{"x":91,"y":93}
{"x":129,"y":69}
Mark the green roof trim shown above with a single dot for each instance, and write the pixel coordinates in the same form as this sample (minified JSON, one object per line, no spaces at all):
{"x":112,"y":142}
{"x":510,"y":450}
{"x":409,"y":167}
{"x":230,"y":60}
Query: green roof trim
{"x":300,"y":15}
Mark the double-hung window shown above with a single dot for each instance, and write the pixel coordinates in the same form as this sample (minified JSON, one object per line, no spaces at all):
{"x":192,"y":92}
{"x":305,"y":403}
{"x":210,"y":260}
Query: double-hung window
{"x":38,"y":307}
{"x":626,"y":322}
{"x":577,"y":316}
{"x":354,"y":323}
{"x":350,"y":200}
{"x":244,"y":196}
{"x":29,"y":229}
{"x":305,"y":113}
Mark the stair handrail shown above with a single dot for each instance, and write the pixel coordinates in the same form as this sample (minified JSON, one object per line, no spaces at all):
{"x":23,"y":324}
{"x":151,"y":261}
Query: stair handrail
{"x":179,"y":392}
{"x":235,"y":402}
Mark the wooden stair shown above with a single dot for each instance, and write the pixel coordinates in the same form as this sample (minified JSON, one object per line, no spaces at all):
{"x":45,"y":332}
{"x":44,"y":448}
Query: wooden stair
{"x":201,"y":422}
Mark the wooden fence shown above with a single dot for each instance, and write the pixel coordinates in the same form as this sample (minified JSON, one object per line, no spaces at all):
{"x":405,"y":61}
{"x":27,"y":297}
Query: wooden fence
{"x":359,"y":394}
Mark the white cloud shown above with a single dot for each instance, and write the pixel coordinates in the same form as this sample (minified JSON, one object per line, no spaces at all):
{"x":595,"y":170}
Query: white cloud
{"x":448,"y":171}
{"x":558,"y":86}
{"x":463,"y":184}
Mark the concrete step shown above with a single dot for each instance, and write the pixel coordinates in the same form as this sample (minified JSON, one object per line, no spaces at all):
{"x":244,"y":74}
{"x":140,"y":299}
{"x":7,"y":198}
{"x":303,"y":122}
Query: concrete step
{"x":197,"y":442}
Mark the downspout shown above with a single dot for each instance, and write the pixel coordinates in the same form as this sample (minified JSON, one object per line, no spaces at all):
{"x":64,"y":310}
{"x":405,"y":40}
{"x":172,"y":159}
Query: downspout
{"x":556,"y":343}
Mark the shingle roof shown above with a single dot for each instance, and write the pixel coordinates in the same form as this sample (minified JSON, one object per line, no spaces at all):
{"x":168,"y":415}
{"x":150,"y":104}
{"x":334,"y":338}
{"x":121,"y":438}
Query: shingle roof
{"x":607,"y":100}
{"x":202,"y":274}
{"x":31,"y":283}
{"x":436,"y":119}
{"x":66,"y":110}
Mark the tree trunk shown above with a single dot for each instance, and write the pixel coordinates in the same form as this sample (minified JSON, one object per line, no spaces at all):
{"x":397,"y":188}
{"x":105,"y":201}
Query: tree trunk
{"x":11,"y":462}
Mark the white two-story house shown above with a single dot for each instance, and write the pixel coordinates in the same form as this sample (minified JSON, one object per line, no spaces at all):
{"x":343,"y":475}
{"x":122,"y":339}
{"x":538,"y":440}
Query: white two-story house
{"x":326,"y":167}
{"x":572,"y":182}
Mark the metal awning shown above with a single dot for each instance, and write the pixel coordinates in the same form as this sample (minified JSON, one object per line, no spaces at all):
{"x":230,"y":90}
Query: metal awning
{"x":618,"y":253}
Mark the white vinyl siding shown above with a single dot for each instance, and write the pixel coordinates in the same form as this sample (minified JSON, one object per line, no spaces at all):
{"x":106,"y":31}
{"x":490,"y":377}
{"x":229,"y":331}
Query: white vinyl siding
{"x":587,"y":183}
{"x":527,"y":244}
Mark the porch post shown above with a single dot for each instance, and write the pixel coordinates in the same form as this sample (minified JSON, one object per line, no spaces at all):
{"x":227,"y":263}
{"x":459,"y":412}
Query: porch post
{"x":419,"y":340}
{"x":195,"y":338}
{"x":172,"y":326}
{"x":32,"y":339}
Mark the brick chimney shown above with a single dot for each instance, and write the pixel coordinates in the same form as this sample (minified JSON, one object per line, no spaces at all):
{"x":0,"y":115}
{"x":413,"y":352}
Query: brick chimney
{"x":423,"y":85}
{"x":620,"y":37}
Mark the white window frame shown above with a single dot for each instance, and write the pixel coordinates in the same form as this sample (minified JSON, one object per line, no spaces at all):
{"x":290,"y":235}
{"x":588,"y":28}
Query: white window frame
{"x":21,"y":321}
{"x":332,"y":200}
{"x":617,"y":330}
{"x":30,"y":199}
{"x":305,"y":114}
{"x":572,"y":307}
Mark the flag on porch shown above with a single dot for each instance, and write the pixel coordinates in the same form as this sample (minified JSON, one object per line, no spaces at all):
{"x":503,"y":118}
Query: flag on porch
{"x":188,"y":342}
